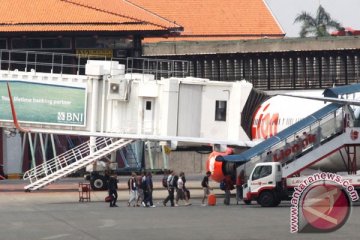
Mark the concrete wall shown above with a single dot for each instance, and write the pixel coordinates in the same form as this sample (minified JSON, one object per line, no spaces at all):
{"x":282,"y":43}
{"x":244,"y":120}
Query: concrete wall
{"x":250,"y":46}
{"x":189,"y":162}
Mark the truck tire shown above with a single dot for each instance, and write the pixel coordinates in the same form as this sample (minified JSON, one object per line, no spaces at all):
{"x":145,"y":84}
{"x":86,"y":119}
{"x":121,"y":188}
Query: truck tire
{"x":266,"y":199}
{"x":98,"y":183}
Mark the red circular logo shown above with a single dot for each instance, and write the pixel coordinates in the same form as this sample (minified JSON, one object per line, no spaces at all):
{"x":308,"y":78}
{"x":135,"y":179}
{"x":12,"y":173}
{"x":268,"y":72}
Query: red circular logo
{"x":325,"y":208}
{"x":354,"y":134}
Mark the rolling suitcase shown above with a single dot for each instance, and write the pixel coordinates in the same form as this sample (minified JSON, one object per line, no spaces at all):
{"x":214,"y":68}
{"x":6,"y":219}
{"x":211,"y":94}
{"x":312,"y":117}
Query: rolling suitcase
{"x":108,"y":198}
{"x":211,"y":200}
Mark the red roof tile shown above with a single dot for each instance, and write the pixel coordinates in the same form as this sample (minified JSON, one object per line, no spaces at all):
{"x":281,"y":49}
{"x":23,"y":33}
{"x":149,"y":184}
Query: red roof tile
{"x":77,"y":15}
{"x":217,"y":19}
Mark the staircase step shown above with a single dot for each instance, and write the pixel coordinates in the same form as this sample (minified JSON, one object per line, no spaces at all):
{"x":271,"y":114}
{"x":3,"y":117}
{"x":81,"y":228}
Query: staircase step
{"x":38,"y":183}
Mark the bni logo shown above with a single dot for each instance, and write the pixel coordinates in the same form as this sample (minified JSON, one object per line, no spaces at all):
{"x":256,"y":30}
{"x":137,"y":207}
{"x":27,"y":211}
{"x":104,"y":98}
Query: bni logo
{"x":70,"y":117}
{"x":61,"y":116}
{"x":321,"y":203}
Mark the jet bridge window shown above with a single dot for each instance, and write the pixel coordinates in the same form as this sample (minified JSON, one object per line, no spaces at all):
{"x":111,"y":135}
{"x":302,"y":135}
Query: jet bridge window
{"x":148,"y":105}
{"x":220,"y":110}
{"x":261,"y":171}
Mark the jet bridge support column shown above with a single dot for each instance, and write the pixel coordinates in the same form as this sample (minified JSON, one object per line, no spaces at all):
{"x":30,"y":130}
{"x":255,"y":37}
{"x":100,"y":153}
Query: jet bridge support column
{"x":93,"y":112}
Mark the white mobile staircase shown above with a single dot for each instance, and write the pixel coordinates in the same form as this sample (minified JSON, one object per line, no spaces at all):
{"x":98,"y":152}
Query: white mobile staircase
{"x":71,"y":161}
{"x":304,"y":143}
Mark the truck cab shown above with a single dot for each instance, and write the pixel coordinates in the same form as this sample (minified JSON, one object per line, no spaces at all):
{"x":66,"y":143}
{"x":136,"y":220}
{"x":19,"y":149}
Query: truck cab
{"x":264,"y":185}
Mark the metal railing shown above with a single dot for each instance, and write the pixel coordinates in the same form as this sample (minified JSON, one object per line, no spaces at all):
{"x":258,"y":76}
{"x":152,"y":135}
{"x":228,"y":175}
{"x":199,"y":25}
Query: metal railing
{"x":300,"y":141}
{"x":66,"y":63}
{"x":65,"y":159}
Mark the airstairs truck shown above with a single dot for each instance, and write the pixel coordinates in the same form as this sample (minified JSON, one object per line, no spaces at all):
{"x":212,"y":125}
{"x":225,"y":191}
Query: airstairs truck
{"x":326,"y":142}
{"x":269,"y":187}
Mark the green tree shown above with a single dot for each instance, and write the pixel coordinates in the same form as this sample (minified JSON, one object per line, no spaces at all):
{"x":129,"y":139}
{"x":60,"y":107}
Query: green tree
{"x":316,"y":26}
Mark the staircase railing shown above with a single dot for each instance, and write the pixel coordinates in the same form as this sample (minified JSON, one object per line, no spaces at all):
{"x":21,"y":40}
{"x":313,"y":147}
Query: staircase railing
{"x":63,"y":160}
{"x":285,"y":149}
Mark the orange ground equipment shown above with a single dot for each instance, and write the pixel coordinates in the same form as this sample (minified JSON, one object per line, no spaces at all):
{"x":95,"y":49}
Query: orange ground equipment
{"x":211,"y":200}
{"x":84,"y":192}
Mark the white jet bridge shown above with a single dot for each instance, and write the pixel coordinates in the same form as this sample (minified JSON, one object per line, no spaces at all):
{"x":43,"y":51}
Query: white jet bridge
{"x":117,"y":101}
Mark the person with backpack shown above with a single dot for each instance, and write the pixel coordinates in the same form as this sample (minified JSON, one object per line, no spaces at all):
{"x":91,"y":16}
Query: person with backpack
{"x":175,"y":186}
{"x":206,"y":187}
{"x":133,"y":189}
{"x":181,"y":192}
{"x":170,"y":189}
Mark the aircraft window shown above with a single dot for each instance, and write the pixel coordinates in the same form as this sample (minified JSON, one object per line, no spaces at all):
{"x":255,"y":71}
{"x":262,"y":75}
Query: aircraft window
{"x":220,"y":110}
{"x":261,"y":172}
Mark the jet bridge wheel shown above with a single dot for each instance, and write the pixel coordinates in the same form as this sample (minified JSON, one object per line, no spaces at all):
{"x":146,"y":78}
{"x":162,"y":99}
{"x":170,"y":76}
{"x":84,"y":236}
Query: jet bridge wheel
{"x":98,"y":183}
{"x":267,"y":199}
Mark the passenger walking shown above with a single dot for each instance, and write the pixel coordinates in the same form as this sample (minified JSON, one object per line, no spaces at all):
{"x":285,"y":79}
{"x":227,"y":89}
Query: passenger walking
{"x":144,"y":188}
{"x":140,"y":190}
{"x":170,"y":189}
{"x":133,"y":190}
{"x":228,"y":186}
{"x":149,"y":190}
{"x":181,"y":190}
{"x":175,"y":186}
{"x":112,"y":184}
{"x":239,"y":182}
{"x":164,"y":179}
{"x":206,"y":187}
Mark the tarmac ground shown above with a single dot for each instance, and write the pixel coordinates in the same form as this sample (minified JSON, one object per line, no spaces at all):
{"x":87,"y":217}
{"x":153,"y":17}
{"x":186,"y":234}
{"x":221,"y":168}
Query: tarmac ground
{"x":56,"y":213}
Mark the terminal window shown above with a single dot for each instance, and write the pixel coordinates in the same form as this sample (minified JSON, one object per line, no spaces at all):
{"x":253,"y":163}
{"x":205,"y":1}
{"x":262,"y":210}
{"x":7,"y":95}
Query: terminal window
{"x":56,"y":43}
{"x":26,"y":43}
{"x":220,"y":110}
{"x":3,"y":44}
{"x":41,"y":43}
{"x":103,"y":43}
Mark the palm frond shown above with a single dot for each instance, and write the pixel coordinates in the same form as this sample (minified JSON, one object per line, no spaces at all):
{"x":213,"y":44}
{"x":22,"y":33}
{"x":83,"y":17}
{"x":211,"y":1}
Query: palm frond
{"x":305,"y":17}
{"x":318,"y":25}
{"x":322,"y":17}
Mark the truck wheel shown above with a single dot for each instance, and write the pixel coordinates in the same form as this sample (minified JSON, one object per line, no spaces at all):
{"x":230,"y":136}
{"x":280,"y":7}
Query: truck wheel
{"x":266,"y":199}
{"x":98,"y":183}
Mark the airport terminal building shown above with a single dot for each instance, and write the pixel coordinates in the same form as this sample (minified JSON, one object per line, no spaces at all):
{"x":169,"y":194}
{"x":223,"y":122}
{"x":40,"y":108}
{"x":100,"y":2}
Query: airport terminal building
{"x":87,"y":27}
{"x":95,"y":29}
